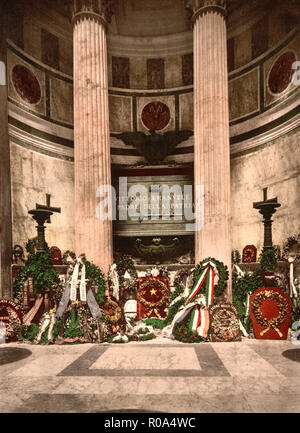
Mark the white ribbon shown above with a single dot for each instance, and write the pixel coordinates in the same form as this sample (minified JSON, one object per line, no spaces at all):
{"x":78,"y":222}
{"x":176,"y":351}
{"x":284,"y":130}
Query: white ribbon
{"x":293,"y":290}
{"x":74,"y":280}
{"x":82,"y":289}
{"x":238,"y":270}
{"x":114,"y":278}
{"x":245,"y":333}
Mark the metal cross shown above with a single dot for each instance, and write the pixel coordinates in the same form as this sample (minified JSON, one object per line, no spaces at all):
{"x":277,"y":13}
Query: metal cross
{"x":48,"y":207}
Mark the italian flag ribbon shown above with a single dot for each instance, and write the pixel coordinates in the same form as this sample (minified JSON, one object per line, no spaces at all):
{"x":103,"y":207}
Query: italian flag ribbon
{"x":200,"y":321}
{"x":207,"y":274}
{"x":195,"y":319}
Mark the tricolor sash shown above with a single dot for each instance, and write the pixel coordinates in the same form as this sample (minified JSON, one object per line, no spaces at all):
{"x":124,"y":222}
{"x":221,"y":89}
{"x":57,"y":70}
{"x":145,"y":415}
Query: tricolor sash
{"x":200,"y":321}
{"x":207,"y":274}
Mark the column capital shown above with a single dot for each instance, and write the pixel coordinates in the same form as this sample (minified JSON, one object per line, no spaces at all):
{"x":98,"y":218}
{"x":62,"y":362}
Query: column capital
{"x":200,"y":7}
{"x":99,"y":10}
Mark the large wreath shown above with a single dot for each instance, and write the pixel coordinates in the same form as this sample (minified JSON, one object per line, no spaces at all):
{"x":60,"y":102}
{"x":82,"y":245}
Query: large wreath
{"x":223,"y":276}
{"x":111,"y":311}
{"x":127,"y":264}
{"x":282,"y":306}
{"x":143,"y":295}
{"x":225,"y":332}
{"x":292,"y":243}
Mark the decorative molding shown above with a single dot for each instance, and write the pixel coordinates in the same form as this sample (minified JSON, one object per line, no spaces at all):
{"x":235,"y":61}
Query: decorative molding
{"x":255,"y":143}
{"x":99,"y":10}
{"x":156,"y":46}
{"x":200,"y":7}
{"x":40,"y":145}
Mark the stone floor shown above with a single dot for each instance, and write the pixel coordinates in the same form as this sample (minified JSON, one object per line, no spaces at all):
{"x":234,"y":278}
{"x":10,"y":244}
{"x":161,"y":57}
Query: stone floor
{"x":156,"y":376}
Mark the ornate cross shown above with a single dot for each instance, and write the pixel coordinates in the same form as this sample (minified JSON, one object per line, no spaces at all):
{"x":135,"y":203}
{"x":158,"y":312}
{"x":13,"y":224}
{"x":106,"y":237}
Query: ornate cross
{"x":48,"y":207}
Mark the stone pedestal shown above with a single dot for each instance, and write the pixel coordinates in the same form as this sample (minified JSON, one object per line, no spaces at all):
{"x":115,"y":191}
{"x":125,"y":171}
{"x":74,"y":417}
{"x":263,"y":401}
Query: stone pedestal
{"x":5,"y":178}
{"x":211,"y":128}
{"x":91,"y":131}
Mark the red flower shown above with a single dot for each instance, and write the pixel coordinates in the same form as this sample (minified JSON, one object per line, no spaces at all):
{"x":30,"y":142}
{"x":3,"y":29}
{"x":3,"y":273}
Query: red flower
{"x":110,"y":311}
{"x":180,"y":334}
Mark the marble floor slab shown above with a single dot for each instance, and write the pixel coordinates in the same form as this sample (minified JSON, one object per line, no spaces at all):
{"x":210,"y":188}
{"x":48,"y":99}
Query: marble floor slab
{"x":243,"y":377}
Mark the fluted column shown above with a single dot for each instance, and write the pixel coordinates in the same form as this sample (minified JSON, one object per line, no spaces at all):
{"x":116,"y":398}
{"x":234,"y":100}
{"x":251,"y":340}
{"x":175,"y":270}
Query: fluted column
{"x":211,"y":129}
{"x":5,"y":175}
{"x":91,"y":130}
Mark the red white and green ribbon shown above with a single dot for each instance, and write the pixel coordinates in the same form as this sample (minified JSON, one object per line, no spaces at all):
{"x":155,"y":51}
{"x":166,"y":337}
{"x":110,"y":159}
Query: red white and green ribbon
{"x":200,"y":321}
{"x":195,"y":319}
{"x":207,"y":275}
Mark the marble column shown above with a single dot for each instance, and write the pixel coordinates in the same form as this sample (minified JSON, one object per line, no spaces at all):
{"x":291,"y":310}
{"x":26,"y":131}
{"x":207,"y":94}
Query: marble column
{"x":211,"y":129}
{"x":5,"y":177}
{"x":91,"y":130}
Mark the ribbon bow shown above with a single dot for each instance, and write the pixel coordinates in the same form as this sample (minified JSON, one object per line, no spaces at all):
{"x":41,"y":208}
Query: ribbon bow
{"x":207,"y":274}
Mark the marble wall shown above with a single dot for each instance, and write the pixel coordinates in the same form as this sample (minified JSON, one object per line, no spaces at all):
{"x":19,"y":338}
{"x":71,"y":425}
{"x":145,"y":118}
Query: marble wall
{"x":275,"y":165}
{"x":33,"y":176}
{"x":263,"y":116}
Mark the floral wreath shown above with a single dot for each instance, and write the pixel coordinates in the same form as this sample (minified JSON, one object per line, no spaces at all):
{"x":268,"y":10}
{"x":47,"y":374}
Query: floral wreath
{"x":111,"y":311}
{"x":276,"y":322}
{"x":14,"y":323}
{"x":223,"y":276}
{"x":142,"y":292}
{"x":292,"y":241}
{"x":127,"y":264}
{"x":66,"y":255}
{"x":225,"y":333}
{"x":56,"y":258}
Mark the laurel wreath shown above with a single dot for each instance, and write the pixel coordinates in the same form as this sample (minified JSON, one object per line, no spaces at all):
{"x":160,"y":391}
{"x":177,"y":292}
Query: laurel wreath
{"x":223,"y":276}
{"x":111,"y":305}
{"x":68,"y":254}
{"x":282,"y":306}
{"x":142,"y":292}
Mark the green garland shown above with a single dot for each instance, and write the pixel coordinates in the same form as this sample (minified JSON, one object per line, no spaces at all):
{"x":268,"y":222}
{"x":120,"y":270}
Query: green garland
{"x":72,"y":328}
{"x":155,"y":323}
{"x":241,"y":286}
{"x":268,"y":259}
{"x":235,"y":257}
{"x":223,"y":277}
{"x":172,"y":310}
{"x":146,"y":337}
{"x":123,"y":265}
{"x":27,"y":333}
{"x":94,"y":273}
{"x":39,"y":268}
